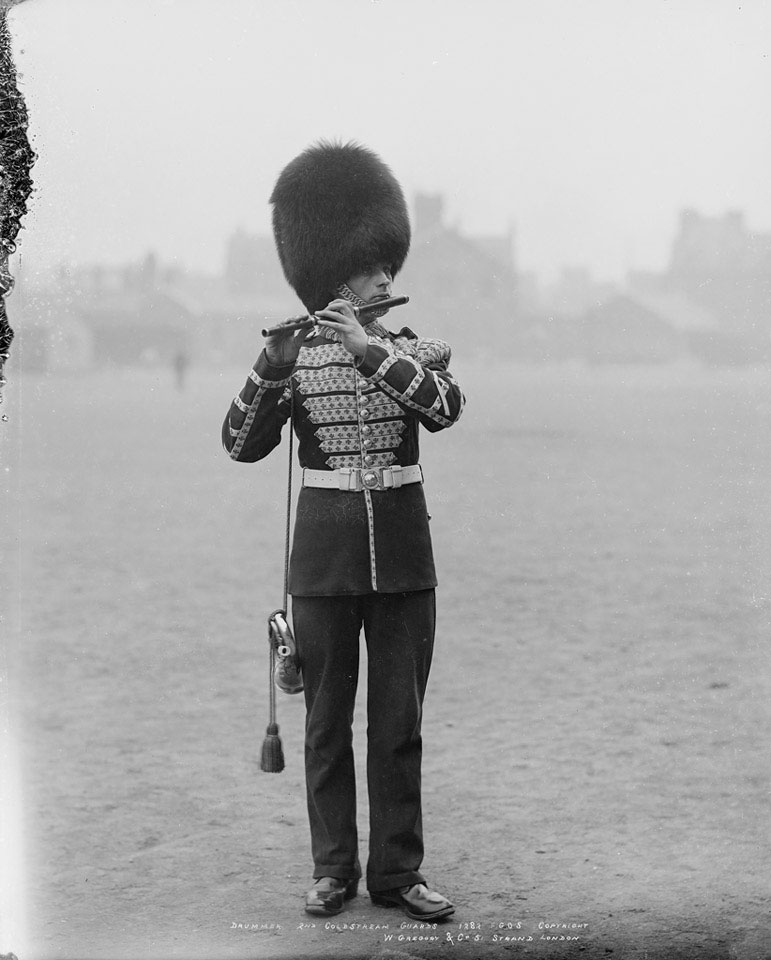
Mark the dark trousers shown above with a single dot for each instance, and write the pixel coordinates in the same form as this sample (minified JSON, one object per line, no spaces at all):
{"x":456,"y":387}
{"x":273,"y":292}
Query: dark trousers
{"x":399,"y":632}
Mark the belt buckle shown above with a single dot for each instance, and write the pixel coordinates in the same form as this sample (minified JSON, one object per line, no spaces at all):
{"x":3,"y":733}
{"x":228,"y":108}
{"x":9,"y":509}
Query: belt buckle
{"x":372,"y":478}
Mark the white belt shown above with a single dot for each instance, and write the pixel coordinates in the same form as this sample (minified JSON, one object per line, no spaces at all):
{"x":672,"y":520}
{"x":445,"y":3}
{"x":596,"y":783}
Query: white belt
{"x":363,"y":478}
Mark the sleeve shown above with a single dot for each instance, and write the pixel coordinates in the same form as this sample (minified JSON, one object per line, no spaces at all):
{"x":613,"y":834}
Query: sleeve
{"x":253,"y":425}
{"x":417,"y":378}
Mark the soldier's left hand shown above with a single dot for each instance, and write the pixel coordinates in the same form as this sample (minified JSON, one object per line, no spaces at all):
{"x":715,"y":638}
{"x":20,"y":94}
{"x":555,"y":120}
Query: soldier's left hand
{"x":340,"y":317}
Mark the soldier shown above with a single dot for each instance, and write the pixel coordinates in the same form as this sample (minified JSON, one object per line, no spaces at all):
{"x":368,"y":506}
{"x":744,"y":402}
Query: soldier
{"x":361,"y":554}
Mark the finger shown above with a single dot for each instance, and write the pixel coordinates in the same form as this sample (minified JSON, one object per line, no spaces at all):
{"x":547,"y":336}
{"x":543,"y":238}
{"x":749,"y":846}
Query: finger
{"x":343,"y":307}
{"x":328,"y":314}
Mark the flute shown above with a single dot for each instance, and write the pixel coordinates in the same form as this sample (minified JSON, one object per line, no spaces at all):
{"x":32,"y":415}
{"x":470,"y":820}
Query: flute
{"x":305,"y":323}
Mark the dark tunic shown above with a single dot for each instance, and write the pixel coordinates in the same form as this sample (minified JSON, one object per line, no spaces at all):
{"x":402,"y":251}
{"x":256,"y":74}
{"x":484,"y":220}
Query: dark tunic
{"x":352,"y":414}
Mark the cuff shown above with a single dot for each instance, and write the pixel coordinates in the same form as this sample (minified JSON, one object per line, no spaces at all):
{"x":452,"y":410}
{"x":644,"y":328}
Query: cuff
{"x":370,"y":363}
{"x":268,"y":371}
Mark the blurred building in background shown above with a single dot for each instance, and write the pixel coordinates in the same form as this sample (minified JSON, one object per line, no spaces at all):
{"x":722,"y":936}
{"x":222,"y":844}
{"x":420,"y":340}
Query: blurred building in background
{"x":712,"y":303}
{"x":720,"y":268}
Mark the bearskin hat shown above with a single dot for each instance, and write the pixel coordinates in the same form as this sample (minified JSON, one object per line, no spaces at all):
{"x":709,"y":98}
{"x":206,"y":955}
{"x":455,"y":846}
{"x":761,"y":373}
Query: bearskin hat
{"x":337,"y":208}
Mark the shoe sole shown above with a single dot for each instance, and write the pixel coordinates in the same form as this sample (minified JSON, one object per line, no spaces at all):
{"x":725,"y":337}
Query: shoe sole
{"x":322,"y":911}
{"x":388,"y":902}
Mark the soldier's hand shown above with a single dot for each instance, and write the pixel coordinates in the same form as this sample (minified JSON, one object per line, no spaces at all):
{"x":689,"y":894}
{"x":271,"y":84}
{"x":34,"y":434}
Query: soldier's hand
{"x":339,"y":316}
{"x":281,"y":348}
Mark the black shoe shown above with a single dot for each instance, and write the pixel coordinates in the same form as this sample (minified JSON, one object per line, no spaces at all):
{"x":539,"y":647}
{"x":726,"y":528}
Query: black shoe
{"x":329,"y":894}
{"x":417,"y":901}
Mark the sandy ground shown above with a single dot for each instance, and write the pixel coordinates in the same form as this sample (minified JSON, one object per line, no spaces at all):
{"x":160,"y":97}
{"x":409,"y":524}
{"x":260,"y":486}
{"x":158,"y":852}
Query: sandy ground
{"x":596,"y":774}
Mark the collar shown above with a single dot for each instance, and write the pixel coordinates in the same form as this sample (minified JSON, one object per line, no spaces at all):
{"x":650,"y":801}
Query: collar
{"x":372,"y":327}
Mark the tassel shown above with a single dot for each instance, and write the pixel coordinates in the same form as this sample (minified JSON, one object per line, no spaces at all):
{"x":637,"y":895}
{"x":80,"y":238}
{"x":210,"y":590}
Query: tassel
{"x":272,"y":760}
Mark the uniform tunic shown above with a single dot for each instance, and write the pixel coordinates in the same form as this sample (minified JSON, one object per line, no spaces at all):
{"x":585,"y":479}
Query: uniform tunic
{"x":349,"y":413}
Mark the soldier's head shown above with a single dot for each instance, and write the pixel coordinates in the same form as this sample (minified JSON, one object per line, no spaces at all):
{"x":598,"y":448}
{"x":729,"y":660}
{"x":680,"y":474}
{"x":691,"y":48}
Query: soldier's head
{"x":373,"y":281}
{"x":339,"y":217}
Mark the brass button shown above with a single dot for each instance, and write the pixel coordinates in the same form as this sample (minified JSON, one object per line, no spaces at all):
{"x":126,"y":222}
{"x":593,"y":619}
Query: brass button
{"x":366,"y":444}
{"x":369,"y":459}
{"x":369,"y":479}
{"x":363,"y":414}
{"x":366,"y":429}
{"x":363,"y":399}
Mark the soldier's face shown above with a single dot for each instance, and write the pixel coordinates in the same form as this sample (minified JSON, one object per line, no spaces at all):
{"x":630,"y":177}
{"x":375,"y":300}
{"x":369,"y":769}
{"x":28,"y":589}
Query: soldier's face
{"x":372,"y":283}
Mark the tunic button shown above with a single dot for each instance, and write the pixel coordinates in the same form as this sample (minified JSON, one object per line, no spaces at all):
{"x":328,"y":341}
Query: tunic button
{"x":363,"y":414}
{"x":369,"y":460}
{"x":366,"y":444}
{"x":363,"y":399}
{"x":366,"y":429}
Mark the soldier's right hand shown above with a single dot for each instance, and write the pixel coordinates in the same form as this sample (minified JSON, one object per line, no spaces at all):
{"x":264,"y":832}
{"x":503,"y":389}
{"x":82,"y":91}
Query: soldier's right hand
{"x":281,"y":348}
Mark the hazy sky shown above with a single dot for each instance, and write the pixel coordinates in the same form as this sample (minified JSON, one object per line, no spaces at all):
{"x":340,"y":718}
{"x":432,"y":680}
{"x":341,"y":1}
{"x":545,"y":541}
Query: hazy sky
{"x":587,"y":124}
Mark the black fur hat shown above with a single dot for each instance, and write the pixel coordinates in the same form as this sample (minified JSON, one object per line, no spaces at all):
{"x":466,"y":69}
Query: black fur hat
{"x":337,"y":208}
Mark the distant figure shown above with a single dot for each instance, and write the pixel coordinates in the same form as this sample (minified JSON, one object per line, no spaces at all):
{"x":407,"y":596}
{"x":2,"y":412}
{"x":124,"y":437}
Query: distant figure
{"x":180,"y":363}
